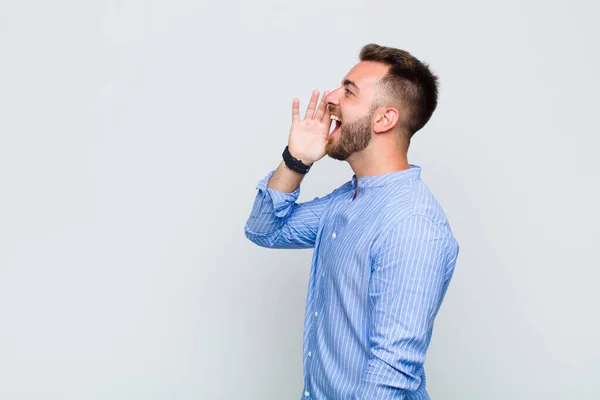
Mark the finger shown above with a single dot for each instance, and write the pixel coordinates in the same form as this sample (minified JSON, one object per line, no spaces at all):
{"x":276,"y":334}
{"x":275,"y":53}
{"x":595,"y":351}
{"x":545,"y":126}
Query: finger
{"x":295,"y":110}
{"x":327,"y":116}
{"x":327,"y":120}
{"x":322,"y":106}
{"x":312,"y":104}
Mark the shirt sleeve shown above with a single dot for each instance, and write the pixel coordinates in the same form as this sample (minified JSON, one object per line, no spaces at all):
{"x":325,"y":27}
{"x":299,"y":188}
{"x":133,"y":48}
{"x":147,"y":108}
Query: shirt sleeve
{"x":277,"y":221}
{"x":411,"y":270}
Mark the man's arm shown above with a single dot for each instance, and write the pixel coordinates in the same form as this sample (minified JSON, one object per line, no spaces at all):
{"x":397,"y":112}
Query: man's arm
{"x":285,"y":180}
{"x":276,"y":220}
{"x":411,"y":270}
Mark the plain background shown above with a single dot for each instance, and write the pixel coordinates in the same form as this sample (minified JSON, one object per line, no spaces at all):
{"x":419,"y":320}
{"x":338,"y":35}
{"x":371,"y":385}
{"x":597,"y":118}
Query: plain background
{"x":132,"y":137}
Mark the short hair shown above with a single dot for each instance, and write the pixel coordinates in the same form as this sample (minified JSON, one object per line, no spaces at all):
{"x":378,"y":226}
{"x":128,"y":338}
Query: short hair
{"x":408,"y":82}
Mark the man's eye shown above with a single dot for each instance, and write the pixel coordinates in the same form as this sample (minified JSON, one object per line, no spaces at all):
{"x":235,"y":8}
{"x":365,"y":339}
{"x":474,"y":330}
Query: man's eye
{"x":347,"y":91}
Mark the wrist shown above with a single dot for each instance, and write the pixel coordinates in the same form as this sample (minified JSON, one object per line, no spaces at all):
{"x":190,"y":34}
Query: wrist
{"x":294,"y":163}
{"x":300,"y":157}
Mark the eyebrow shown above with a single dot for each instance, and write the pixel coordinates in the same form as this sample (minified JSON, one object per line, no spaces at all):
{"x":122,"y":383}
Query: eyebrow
{"x":349,"y":82}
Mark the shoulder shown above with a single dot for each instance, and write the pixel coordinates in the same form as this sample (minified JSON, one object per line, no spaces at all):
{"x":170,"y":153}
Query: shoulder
{"x":412,"y":203}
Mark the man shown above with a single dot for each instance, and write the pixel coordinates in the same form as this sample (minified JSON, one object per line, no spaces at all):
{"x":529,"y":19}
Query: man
{"x":384,"y":252}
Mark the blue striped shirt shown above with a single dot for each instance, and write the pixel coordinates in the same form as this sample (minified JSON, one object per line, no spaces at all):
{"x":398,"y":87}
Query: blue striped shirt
{"x":380,"y":269}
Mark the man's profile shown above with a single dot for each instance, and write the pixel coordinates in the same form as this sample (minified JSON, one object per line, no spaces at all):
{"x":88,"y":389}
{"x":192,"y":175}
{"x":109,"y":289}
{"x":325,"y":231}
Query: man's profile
{"x":384,"y":252}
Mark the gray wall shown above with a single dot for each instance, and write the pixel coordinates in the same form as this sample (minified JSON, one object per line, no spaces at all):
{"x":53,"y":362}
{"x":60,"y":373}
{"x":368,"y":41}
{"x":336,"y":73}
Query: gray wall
{"x":132,"y":136}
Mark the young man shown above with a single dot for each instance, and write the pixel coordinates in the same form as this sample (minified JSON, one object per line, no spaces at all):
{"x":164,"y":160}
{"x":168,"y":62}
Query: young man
{"x":384,"y":252}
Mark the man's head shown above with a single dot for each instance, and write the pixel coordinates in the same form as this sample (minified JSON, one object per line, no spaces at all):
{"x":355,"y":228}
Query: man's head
{"x":388,"y":92}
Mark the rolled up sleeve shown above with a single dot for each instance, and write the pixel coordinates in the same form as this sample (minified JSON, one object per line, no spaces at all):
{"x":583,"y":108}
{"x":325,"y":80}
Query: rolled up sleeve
{"x":278,"y":221}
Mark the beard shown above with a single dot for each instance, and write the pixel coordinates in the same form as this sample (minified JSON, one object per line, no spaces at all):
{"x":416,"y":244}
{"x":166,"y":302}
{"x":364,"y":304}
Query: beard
{"x":353,"y":137}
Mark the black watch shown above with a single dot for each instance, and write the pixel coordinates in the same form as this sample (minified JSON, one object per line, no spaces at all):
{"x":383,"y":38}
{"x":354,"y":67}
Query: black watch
{"x":293,"y":163}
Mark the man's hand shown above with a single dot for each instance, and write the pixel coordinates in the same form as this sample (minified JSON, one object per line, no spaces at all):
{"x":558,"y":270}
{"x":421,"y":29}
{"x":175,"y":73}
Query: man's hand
{"x":309,"y":136}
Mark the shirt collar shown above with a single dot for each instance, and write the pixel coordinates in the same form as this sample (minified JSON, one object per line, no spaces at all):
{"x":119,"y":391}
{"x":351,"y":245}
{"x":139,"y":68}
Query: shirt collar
{"x":384,"y":179}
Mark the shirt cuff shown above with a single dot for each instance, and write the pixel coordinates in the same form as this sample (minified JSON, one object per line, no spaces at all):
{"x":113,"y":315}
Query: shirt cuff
{"x":282,"y":201}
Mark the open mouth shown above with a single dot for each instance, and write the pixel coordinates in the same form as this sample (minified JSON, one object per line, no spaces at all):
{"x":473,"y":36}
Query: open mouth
{"x":335,"y":127}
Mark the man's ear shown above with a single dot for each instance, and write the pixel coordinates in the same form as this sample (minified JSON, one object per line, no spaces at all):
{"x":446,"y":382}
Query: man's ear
{"x":385,"y":119}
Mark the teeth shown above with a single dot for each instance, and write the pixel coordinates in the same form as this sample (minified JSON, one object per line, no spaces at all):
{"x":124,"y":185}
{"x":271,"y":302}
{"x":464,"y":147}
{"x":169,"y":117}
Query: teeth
{"x":335,"y":117}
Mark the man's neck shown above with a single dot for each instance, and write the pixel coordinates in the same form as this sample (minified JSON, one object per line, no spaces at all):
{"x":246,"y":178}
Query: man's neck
{"x":365,"y":164}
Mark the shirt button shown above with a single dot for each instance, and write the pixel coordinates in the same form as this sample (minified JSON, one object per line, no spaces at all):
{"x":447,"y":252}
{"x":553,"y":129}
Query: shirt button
{"x":333,"y":235}
{"x":306,"y":394}
{"x":323,"y":274}
{"x":316,"y":313}
{"x":309,"y":353}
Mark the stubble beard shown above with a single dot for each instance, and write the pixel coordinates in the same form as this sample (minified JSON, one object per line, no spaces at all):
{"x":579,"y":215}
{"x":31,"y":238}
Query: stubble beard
{"x":353,"y":137}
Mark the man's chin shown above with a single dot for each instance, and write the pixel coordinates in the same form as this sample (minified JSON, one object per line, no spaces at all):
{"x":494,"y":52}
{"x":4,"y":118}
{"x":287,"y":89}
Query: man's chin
{"x":331,"y":144}
{"x":332,"y":154}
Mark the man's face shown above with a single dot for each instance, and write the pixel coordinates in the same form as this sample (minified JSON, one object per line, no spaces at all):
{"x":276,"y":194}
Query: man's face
{"x":353,"y":104}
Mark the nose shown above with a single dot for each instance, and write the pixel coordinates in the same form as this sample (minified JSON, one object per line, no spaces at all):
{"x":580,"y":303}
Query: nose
{"x":333,"y":98}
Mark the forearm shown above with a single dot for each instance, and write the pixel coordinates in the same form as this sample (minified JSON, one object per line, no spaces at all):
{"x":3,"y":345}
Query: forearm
{"x":263,"y":226}
{"x":271,"y":207}
{"x":277,"y":221}
{"x":285,"y":180}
